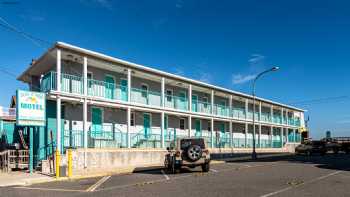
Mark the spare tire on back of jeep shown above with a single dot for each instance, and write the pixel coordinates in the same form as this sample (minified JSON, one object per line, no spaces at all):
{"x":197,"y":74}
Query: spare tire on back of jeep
{"x":194,"y":153}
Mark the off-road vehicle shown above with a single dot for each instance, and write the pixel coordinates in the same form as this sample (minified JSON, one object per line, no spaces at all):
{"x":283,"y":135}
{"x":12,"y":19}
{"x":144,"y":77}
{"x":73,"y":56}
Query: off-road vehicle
{"x":190,"y":152}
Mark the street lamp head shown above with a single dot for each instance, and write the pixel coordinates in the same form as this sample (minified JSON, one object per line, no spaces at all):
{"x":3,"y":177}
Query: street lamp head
{"x":275,"y":68}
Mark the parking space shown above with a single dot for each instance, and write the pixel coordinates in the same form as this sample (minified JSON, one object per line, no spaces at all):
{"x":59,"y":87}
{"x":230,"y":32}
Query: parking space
{"x":287,"y":176}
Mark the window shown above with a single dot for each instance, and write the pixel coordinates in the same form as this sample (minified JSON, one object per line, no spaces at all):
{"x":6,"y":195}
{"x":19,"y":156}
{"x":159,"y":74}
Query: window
{"x":209,"y":125}
{"x":144,"y":89}
{"x":169,"y":94}
{"x":89,"y":76}
{"x":132,"y":119}
{"x":182,"y":123}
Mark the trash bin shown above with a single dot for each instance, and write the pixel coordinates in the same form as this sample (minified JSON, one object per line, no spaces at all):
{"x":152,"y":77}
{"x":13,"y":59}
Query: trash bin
{"x":63,"y":171}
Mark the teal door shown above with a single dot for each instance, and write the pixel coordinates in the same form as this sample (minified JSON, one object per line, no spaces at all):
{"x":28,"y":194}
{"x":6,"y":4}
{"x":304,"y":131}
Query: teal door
{"x":124,"y":89}
{"x":198,"y":128}
{"x":182,"y":101}
{"x":194,"y":103}
{"x":109,"y":87}
{"x":147,"y":125}
{"x":222,"y":134}
{"x":167,"y":134}
{"x":96,"y":127}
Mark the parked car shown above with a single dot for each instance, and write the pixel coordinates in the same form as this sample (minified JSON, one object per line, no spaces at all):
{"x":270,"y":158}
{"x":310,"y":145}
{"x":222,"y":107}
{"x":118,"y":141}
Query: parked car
{"x":311,"y":147}
{"x":190,"y":152}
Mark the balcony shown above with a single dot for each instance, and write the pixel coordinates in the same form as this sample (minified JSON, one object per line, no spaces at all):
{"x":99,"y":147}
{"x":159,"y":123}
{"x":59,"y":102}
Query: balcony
{"x":176,"y":102}
{"x":277,"y":119}
{"x":221,"y":110}
{"x":146,"y":97}
{"x":201,"y":107}
{"x":238,"y":113}
{"x":265,"y":117}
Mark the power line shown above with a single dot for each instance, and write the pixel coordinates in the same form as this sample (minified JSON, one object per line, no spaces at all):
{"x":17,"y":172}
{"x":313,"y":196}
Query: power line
{"x":33,"y":39}
{"x":322,"y":100}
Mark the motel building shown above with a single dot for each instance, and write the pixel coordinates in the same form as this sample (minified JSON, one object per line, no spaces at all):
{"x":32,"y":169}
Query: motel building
{"x":98,"y":104}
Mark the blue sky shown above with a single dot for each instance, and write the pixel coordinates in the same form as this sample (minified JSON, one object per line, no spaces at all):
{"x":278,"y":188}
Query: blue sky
{"x":224,"y":43}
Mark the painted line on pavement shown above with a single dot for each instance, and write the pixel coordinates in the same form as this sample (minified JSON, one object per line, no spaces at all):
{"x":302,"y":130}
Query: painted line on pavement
{"x":213,"y":170}
{"x":97,"y":184}
{"x":307,"y":182}
{"x":166,"y":176}
{"x":50,"y":189}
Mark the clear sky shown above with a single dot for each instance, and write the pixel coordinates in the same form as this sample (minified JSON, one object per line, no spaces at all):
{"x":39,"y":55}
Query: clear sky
{"x":224,"y":43}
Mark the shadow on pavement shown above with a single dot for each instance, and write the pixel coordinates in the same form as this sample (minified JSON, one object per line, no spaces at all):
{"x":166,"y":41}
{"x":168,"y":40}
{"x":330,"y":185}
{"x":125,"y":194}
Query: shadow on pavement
{"x":329,"y":161}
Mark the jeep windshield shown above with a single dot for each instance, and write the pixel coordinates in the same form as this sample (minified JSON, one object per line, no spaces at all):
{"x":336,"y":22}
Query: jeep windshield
{"x":185,"y":143}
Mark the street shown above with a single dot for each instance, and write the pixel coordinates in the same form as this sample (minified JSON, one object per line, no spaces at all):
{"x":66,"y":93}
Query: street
{"x":279,"y":176}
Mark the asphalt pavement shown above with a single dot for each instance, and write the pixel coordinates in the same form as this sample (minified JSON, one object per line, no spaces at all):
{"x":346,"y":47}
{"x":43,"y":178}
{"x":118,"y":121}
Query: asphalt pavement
{"x":277,"y":176}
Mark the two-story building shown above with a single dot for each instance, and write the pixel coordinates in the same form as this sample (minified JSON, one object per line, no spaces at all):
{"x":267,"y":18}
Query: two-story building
{"x":98,"y":101}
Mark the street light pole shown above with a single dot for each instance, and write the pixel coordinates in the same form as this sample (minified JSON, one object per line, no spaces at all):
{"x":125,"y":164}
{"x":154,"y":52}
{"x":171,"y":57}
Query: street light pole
{"x":254,"y":155}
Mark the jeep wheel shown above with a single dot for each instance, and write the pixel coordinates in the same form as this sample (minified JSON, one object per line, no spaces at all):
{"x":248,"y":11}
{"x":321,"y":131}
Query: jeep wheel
{"x":205,"y":167}
{"x":194,"y":153}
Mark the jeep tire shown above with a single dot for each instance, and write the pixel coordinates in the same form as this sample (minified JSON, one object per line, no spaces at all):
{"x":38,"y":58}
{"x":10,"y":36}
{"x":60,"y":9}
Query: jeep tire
{"x":194,"y":153}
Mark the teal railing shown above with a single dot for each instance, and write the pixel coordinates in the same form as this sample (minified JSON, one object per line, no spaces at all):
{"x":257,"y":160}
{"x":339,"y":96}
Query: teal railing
{"x":69,"y":83}
{"x":221,"y":110}
{"x":176,"y":102}
{"x":239,"y":142}
{"x":238,"y":113}
{"x":201,"y":106}
{"x":146,"y":97}
{"x":264,"y":143}
{"x":277,"y":119}
{"x":142,"y":140}
{"x":265,"y":117}
{"x":107,"y":90}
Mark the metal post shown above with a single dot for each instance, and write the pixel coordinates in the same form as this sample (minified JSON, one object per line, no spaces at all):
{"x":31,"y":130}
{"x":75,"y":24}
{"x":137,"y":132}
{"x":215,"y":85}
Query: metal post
{"x":70,"y":163}
{"x":129,"y":126}
{"x":85,"y":76}
{"x":31,"y":149}
{"x":271,"y":136}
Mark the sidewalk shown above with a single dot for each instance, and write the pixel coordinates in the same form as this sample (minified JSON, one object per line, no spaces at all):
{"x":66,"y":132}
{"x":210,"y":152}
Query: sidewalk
{"x":22,"y":178}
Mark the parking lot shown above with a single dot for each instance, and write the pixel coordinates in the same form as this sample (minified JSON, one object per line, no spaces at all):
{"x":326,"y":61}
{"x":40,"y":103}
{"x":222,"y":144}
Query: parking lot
{"x":278,"y":176}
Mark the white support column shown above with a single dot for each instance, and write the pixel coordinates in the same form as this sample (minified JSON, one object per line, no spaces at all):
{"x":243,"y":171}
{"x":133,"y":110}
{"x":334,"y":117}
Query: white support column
{"x":246,"y":135}
{"x":212,"y":101}
{"x":271,"y":113}
{"x":163,"y":91}
{"x":85,"y":130}
{"x":260,"y":111}
{"x":85,"y":76}
{"x":58,"y":70}
{"x":129,"y":85}
{"x":162,"y":128}
{"x":58,"y":124}
{"x":282,"y":119}
{"x":246,"y":108}
{"x":58,"y":103}
{"x":189,"y":125}
{"x":190,"y":98}
{"x":128,"y":120}
{"x":231,"y":134}
{"x":259,"y":135}
{"x":230,"y":106}
{"x":282,"y":135}
{"x":287,"y":117}
{"x":287,"y":135}
{"x":271,"y":136}
{"x":212,"y":132}
{"x":85,"y":127}
{"x":295,"y":135}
